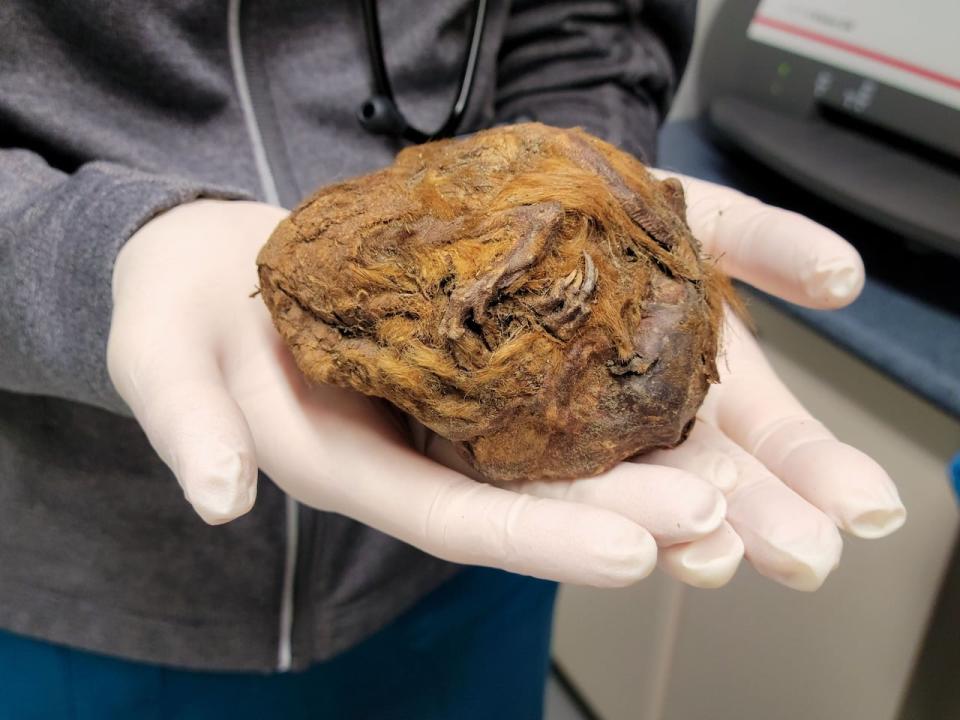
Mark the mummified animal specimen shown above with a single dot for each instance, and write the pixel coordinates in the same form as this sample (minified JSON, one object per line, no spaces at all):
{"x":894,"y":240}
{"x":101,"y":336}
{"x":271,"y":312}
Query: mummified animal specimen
{"x":532,"y":294}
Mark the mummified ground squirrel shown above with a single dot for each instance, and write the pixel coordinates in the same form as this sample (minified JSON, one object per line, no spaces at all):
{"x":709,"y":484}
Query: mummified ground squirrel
{"x":531,"y":293}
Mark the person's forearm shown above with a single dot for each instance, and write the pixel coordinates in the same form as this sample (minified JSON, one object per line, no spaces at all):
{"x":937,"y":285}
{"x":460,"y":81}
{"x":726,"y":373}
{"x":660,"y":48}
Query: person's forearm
{"x":59,"y":235}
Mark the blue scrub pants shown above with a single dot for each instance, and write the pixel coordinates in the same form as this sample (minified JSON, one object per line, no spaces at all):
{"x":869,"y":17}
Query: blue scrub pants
{"x":475,"y":648}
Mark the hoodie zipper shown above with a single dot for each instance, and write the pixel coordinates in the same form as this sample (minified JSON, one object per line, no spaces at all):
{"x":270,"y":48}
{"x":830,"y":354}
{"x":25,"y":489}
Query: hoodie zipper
{"x":269,"y":186}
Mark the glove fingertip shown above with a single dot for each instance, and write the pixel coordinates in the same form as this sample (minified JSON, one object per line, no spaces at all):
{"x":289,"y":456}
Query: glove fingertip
{"x":836,"y":285}
{"x":629,"y":561}
{"x":708,"y":563}
{"x":223,"y":488}
{"x":804,"y":569}
{"x":877,"y":523}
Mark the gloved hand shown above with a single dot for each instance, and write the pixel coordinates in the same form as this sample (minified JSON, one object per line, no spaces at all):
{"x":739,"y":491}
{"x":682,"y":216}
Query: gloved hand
{"x":789,"y":483}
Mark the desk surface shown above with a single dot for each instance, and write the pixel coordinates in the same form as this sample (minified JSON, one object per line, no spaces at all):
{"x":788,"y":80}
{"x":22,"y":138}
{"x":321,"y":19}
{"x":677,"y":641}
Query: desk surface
{"x":907,"y":320}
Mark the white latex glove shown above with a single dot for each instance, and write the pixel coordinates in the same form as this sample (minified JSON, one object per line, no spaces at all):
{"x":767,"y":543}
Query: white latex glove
{"x":203,"y":370}
{"x":789,"y":483}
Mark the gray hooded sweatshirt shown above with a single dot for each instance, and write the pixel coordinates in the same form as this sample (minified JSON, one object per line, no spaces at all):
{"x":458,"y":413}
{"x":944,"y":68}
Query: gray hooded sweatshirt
{"x":114,"y":111}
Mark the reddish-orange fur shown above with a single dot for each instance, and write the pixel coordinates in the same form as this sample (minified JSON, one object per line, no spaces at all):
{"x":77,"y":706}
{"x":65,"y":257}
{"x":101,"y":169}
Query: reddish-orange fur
{"x":531,"y":293}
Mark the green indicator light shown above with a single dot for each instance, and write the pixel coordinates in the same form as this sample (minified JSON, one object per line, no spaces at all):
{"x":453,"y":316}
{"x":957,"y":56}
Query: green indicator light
{"x":783,"y":69}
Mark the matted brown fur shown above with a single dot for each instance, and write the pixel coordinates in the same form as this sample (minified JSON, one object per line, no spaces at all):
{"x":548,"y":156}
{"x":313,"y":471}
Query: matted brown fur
{"x":531,"y":293}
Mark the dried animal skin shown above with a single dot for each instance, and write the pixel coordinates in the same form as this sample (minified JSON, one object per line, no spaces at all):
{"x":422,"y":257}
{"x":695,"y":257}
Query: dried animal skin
{"x":532,"y":294}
